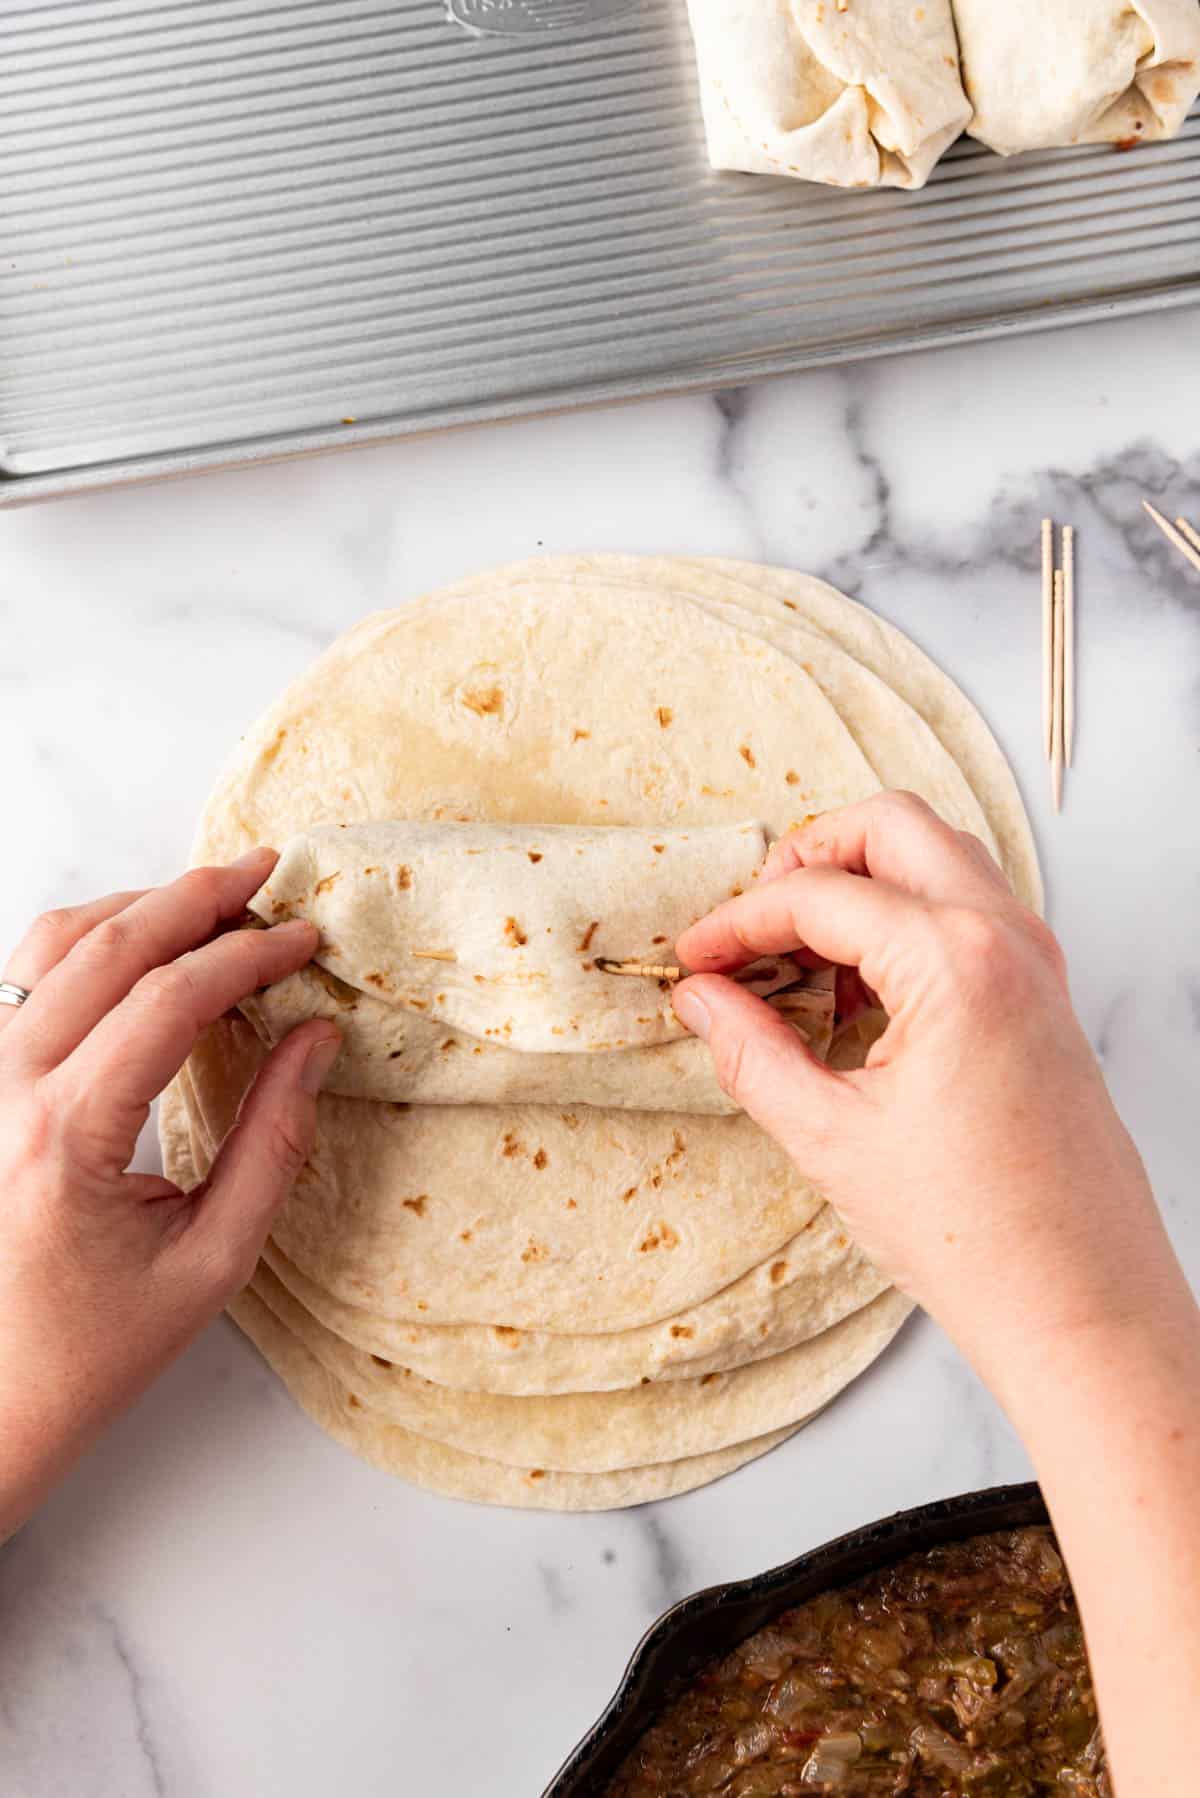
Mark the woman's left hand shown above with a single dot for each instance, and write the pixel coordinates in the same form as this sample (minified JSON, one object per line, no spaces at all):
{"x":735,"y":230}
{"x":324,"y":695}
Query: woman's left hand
{"x":106,"y":1274}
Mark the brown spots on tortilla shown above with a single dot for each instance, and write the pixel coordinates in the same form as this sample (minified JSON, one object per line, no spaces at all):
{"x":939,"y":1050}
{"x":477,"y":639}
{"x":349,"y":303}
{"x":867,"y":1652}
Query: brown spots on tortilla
{"x":585,"y":941}
{"x":535,"y":855}
{"x":404,"y":879}
{"x":736,"y":892}
{"x":274,"y":746}
{"x":354,"y":1403}
{"x":659,"y":848}
{"x":379,"y":980}
{"x":514,"y":935}
{"x":763,"y":1328}
{"x":678,"y":1148}
{"x":645,"y":1379}
{"x":512,"y":1145}
{"x":505,"y":1333}
{"x":418,"y":1204}
{"x":628,"y":1194}
{"x":380,"y":1362}
{"x":570,"y":1120}
{"x":682,"y":1330}
{"x":395,"y":1054}
{"x":778,"y":1271}
{"x":465,"y":1235}
{"x":281,"y":909}
{"x":659,"y":1236}
{"x":665,"y":715}
{"x":327,"y":885}
{"x":656,"y":1181}
{"x":572,"y":1205}
{"x":580,"y":735}
{"x":540,"y":1159}
{"x":747,"y":755}
{"x":717,"y":792}
{"x":709,"y":1378}
{"x":537,"y":1473}
{"x":792,"y":778}
{"x":485,"y":702}
{"x":421,"y":1305}
{"x":448,"y":1045}
{"x":534,"y":1250}
{"x":842,"y":1242}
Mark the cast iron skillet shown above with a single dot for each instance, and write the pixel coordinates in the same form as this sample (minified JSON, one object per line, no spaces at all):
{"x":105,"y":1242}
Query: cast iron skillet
{"x":707,"y":1625}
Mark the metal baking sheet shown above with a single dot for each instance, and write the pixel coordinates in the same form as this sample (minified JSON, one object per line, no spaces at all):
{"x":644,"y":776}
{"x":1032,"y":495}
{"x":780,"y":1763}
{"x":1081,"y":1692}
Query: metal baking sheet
{"x":235,"y":229}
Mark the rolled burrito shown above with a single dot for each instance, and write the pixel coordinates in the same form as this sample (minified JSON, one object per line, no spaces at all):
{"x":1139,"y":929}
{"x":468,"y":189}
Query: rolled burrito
{"x":465,"y":963}
{"x":1045,"y":75}
{"x":853,"y":93}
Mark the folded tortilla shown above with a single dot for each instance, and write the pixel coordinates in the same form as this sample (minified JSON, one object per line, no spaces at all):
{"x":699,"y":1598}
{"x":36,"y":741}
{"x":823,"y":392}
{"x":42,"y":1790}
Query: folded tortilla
{"x":1078,"y":71}
{"x":464,"y":963}
{"x":866,"y":94}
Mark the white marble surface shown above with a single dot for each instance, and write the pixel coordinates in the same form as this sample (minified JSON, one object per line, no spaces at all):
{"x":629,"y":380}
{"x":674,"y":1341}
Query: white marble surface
{"x":220,"y":1602}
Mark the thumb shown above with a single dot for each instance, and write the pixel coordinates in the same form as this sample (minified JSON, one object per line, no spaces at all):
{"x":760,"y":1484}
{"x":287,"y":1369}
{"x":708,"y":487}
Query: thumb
{"x":765,"y":1066}
{"x":260,"y":1158}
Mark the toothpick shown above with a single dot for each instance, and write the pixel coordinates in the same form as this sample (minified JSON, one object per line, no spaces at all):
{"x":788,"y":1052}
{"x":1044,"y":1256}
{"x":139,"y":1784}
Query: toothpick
{"x":1173,"y":536}
{"x":1056,"y":735}
{"x":644,"y":970}
{"x":1047,"y":633}
{"x":1189,"y":531}
{"x":1068,"y":679}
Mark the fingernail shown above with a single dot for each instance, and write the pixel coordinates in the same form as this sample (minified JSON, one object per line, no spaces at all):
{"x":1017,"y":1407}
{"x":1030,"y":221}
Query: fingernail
{"x":317,"y":1065}
{"x":693,"y":1013}
{"x":252,"y":858}
{"x":292,"y":927}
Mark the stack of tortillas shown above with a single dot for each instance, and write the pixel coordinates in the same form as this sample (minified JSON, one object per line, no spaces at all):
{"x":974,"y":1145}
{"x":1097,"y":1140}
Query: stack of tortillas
{"x":577,"y":1306}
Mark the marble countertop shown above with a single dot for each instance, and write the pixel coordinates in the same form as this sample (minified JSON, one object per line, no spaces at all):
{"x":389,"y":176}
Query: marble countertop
{"x":222,"y":1604}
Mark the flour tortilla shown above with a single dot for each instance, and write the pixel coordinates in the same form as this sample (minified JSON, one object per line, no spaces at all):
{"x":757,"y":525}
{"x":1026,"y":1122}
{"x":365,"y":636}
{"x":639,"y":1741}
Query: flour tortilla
{"x":914,"y":726}
{"x":516,"y":708}
{"x":807,"y":1286}
{"x":517,"y":1216}
{"x":461,"y":962}
{"x":603,"y":1432}
{"x":813,"y":1282}
{"x":430,"y":1464}
{"x":863,"y":96}
{"x":1078,"y":71}
{"x":449,"y":1471}
{"x":388,"y":1053}
{"x":497,"y":929}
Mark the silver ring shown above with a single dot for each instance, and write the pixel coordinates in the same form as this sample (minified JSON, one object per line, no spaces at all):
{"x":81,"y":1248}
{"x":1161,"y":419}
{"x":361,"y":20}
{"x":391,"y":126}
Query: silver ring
{"x":12,"y":994}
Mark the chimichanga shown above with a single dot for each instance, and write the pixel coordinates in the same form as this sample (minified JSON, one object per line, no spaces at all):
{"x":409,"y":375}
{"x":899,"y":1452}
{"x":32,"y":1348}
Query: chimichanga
{"x":853,"y":93}
{"x":462,"y":961}
{"x":1049,"y":73}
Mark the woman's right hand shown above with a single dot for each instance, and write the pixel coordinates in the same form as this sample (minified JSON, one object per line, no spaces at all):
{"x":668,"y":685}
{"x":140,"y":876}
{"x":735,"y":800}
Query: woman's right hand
{"x":977,"y":1158}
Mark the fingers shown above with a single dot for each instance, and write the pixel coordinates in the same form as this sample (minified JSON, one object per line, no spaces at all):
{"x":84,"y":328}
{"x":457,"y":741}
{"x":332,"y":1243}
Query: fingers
{"x":765,"y":1066}
{"x":841,"y":917}
{"x":260,"y":1158}
{"x":108,"y":960}
{"x":141,"y":1045}
{"x":54,"y":935}
{"x":898,"y":838}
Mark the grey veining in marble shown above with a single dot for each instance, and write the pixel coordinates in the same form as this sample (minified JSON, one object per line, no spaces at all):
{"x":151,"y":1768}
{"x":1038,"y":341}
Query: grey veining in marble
{"x":221,"y":1604}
